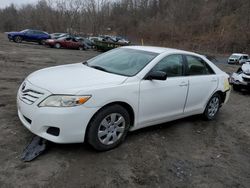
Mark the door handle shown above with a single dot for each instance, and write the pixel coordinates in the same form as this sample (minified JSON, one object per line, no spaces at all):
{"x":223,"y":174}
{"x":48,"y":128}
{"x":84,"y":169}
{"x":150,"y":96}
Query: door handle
{"x":182,"y":84}
{"x":214,"y":80}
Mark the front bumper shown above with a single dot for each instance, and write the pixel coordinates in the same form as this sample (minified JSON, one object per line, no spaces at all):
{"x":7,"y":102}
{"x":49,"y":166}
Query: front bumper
{"x":71,"y":121}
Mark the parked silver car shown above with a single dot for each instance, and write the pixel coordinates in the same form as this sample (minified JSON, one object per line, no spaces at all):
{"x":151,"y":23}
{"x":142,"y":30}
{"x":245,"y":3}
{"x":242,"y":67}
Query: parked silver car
{"x":238,"y":58}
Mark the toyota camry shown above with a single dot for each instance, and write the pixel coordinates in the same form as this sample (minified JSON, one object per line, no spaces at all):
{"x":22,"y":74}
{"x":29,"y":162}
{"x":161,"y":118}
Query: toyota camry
{"x":128,"y":88}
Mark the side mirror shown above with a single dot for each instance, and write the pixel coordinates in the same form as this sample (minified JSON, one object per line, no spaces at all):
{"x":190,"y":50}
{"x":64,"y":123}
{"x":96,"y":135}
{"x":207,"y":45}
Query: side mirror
{"x":156,"y":75}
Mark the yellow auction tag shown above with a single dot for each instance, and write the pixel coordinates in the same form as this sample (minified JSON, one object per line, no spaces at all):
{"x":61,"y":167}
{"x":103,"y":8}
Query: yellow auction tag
{"x":226,"y":85}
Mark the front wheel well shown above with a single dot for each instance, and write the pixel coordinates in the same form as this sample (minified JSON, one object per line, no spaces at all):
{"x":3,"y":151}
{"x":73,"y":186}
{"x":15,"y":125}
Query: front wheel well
{"x":124,"y":105}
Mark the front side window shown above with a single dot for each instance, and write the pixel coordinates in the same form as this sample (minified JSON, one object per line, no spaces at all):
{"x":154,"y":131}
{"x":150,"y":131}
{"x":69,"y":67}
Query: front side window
{"x":197,"y":66}
{"x":172,"y":65}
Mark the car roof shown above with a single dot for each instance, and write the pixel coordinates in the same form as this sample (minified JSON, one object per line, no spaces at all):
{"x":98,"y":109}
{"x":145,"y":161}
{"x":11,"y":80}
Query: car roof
{"x":159,"y":50}
{"x":239,"y":54}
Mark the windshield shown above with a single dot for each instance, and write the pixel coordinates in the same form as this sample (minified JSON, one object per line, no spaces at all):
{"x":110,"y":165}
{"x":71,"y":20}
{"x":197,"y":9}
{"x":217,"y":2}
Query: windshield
{"x":122,"y":61}
{"x":23,"y":31}
{"x":235,"y":56}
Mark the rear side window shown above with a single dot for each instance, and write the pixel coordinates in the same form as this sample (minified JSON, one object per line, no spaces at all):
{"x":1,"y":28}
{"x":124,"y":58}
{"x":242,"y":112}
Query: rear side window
{"x":172,"y":65}
{"x":197,"y":66}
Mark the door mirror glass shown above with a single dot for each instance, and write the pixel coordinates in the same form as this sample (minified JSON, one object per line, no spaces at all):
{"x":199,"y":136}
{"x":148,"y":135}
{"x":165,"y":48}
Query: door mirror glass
{"x":156,"y":75}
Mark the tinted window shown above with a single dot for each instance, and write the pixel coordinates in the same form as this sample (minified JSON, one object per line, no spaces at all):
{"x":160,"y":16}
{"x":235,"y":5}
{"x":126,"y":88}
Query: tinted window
{"x":197,"y":66}
{"x":172,"y":65}
{"x":245,"y":57}
{"x":30,"y":32}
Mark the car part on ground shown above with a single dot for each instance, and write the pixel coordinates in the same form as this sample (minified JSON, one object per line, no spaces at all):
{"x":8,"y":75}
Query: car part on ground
{"x":238,"y":58}
{"x":36,"y":147}
{"x":241,"y":78}
{"x":28,"y":35}
{"x":127,"y":88}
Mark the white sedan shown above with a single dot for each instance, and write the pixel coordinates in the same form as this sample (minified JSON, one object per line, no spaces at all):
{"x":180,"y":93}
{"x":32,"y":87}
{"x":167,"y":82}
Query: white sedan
{"x":125,"y":89}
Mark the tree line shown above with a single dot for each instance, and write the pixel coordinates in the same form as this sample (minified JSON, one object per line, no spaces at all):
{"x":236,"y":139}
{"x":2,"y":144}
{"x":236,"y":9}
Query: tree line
{"x":213,"y":25}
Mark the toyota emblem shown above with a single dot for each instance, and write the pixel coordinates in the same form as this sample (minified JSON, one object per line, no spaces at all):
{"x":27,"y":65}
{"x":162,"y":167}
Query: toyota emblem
{"x":23,"y":86}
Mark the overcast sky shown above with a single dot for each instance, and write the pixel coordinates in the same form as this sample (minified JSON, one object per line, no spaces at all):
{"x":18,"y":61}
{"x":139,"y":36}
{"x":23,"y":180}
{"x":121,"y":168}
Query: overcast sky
{"x":4,"y":3}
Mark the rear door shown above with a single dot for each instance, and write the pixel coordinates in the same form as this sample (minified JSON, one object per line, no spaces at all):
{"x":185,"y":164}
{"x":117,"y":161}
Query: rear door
{"x":202,"y":83}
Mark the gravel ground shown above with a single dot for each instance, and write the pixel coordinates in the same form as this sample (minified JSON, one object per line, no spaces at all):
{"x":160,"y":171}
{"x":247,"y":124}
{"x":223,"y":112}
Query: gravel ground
{"x":186,"y":153}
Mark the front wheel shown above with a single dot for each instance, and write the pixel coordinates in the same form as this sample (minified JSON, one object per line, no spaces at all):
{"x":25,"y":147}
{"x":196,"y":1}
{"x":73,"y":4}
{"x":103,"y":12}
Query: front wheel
{"x":212,"y":107}
{"x":18,"y":39}
{"x":108,"y":128}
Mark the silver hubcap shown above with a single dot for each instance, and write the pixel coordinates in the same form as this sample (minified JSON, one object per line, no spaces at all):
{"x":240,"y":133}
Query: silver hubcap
{"x":58,"y":45}
{"x":111,"y":128}
{"x":213,"y":106}
{"x":18,"y":39}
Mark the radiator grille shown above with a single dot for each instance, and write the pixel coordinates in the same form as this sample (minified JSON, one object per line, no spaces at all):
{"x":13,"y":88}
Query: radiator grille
{"x":30,"y":96}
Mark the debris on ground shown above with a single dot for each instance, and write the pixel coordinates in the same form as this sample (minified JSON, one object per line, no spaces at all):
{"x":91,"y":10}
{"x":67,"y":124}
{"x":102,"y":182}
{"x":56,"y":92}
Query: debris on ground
{"x":35,"y":148}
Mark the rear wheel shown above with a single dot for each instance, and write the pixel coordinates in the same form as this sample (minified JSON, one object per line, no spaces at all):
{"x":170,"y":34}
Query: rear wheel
{"x":212,"y":107}
{"x":18,"y":39}
{"x":108,"y":128}
{"x":57,"y":45}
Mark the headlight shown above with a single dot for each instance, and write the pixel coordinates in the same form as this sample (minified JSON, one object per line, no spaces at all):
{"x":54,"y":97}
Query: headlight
{"x":64,"y":101}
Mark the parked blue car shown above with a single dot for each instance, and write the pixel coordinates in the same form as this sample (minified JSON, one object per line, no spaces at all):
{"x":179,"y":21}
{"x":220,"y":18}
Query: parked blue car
{"x":29,"y":35}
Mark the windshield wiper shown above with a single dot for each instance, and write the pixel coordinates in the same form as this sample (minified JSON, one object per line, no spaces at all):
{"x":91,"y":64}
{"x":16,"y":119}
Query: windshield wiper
{"x":85,"y":63}
{"x":99,"y":68}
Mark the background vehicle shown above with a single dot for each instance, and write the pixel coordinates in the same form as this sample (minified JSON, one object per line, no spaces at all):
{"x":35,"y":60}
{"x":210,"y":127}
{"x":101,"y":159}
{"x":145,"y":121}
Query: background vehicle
{"x":128,"y":88}
{"x":238,"y":58}
{"x":241,"y":78}
{"x":65,"y":42}
{"x":29,"y":35}
{"x":87,"y":43}
{"x":58,"y":35}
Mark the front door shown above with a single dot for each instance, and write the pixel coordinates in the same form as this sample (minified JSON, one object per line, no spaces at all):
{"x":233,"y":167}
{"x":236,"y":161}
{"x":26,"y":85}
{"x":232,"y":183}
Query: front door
{"x":163,"y":100}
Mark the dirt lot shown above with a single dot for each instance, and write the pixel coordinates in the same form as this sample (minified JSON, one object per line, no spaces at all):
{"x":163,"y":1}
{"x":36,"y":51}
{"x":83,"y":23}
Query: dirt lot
{"x":184,"y":153}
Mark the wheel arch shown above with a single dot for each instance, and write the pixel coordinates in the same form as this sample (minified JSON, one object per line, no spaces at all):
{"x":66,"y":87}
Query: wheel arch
{"x":222,"y":96}
{"x":125,"y":105}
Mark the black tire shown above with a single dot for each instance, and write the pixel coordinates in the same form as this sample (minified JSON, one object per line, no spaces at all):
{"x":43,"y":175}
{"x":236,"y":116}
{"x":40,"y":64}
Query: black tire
{"x":18,"y":39}
{"x":213,"y":107}
{"x":58,"y":45}
{"x":95,"y":127}
{"x":236,"y":87}
{"x":41,"y":42}
{"x":81,"y":48}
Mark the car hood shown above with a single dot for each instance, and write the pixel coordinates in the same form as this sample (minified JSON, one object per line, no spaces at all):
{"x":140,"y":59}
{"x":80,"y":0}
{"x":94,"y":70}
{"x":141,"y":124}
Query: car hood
{"x":246,"y":68}
{"x":13,"y":33}
{"x":70,"y":79}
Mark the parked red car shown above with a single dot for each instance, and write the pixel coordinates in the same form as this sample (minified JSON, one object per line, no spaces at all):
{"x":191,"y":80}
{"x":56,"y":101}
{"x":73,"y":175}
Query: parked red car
{"x":65,"y":42}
